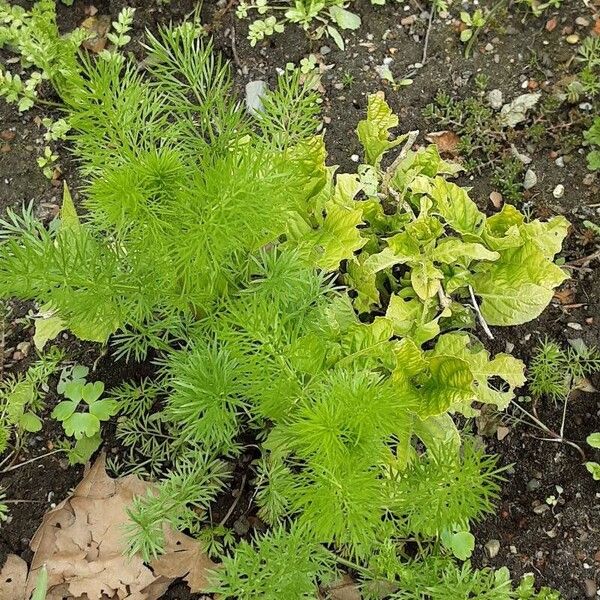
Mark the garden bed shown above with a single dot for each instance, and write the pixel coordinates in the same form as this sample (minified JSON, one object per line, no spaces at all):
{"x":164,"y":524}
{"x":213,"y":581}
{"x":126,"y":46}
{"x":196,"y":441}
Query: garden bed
{"x":559,"y":542}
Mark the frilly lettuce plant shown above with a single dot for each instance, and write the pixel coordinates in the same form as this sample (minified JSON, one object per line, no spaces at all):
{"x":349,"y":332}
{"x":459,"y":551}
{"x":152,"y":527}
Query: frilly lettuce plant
{"x":415,"y":245}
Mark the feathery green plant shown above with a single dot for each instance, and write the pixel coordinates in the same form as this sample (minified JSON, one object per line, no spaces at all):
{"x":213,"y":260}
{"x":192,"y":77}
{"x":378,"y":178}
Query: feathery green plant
{"x":214,"y":239}
{"x":180,"y":190}
{"x":553,"y":371}
{"x":281,"y":564}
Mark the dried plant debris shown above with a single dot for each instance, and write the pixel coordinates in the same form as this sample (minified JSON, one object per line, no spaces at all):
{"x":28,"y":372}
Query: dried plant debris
{"x":12,"y":578}
{"x":81,"y":543}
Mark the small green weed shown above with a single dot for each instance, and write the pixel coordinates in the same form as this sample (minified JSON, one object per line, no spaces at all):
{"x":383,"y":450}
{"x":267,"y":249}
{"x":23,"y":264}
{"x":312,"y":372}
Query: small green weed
{"x":84,"y":426}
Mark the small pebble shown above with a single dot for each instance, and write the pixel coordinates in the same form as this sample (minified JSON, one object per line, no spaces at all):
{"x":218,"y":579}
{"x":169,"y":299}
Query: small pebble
{"x":241,"y":526}
{"x":572,"y":39}
{"x":255,"y":90}
{"x":590,"y":588}
{"x":530,"y":179}
{"x":559,"y":191}
{"x":560,"y":161}
{"x":354,"y":158}
{"x":325,"y":50}
{"x":582,"y":21}
{"x":495,"y":99}
{"x":576,"y":326}
{"x":492,"y":548}
{"x":496,"y":199}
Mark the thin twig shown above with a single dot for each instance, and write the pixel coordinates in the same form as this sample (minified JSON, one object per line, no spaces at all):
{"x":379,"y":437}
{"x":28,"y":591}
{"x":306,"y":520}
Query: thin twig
{"x":27,"y":462}
{"x":584,"y":260}
{"x":479,"y":315}
{"x":475,"y":35}
{"x":426,"y":43}
{"x":564,"y":417}
{"x":411,"y":136}
{"x":235,"y":503}
{"x":555,"y":437}
{"x":236,"y":58}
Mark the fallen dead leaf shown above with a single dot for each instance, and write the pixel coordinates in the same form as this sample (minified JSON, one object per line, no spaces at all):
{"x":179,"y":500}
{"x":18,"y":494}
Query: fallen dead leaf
{"x":565,"y":296}
{"x":596,"y":29}
{"x":583,"y":384}
{"x":496,"y":199}
{"x":81,"y":544}
{"x":12,"y":578}
{"x":97,"y":28}
{"x":446,"y":141}
{"x":184,"y":558}
{"x":344,"y":588}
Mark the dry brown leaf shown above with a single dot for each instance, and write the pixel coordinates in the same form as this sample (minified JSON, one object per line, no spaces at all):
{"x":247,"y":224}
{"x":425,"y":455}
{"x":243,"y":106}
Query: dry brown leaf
{"x":97,"y":28}
{"x":184,"y":558}
{"x":496,"y":199}
{"x":343,"y":589}
{"x":81,"y":543}
{"x":565,"y":296}
{"x":12,"y":578}
{"x":446,"y":141}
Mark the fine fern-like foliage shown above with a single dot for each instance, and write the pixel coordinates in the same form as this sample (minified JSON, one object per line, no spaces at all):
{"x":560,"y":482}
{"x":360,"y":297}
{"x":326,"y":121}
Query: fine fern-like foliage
{"x":180,"y":191}
{"x":221,"y":242}
{"x":190,"y":487}
{"x":35,"y":38}
{"x":281,"y":564}
{"x":553,"y":371}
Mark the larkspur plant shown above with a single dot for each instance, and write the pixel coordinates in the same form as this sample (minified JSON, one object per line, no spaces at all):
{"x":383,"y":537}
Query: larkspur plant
{"x":317,"y":321}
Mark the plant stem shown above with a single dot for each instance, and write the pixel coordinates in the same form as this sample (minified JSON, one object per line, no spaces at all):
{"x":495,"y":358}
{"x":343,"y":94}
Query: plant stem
{"x":555,"y":436}
{"x":352,"y":565}
{"x":479,"y":315}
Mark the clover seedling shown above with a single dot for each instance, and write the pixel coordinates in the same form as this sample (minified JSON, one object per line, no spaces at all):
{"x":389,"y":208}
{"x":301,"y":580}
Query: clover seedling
{"x":83,"y":425}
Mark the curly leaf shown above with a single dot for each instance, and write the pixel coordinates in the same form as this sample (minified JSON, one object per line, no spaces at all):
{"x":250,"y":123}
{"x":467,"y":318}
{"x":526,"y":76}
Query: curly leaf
{"x":518,"y":287}
{"x":425,"y":279}
{"x":453,"y":204}
{"x":337,"y":239}
{"x":504,"y":366}
{"x":450,"y":250}
{"x":450,"y":383}
{"x":374,"y":131}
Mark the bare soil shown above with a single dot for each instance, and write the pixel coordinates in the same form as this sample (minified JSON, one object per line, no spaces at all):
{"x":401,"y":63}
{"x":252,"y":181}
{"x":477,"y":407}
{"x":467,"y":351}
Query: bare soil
{"x":560,"y":544}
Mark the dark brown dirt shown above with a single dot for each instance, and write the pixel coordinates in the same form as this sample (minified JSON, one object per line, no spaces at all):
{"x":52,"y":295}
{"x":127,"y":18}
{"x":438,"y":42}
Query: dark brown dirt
{"x":561,"y":545}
